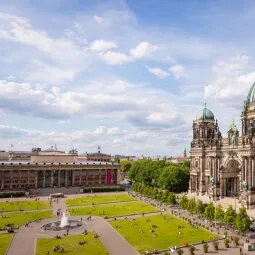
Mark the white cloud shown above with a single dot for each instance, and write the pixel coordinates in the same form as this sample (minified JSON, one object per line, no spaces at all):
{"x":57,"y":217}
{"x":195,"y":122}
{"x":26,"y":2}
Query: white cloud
{"x":178,"y":71}
{"x":158,"y":72}
{"x":115,"y":58}
{"x":232,"y":82}
{"x":234,"y":64}
{"x":102,"y":45}
{"x":142,"y":50}
{"x":98,"y":19}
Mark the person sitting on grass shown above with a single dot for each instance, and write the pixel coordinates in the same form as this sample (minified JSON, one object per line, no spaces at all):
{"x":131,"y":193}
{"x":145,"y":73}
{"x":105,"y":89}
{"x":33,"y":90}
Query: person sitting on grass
{"x":96,"y":235}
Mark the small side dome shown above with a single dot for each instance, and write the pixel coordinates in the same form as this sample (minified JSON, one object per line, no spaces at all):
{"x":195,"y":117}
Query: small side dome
{"x":205,"y":114}
{"x":251,"y":95}
{"x":233,"y":127}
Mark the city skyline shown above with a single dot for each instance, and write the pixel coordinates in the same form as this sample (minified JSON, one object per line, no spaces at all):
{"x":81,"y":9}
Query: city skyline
{"x":128,"y":76}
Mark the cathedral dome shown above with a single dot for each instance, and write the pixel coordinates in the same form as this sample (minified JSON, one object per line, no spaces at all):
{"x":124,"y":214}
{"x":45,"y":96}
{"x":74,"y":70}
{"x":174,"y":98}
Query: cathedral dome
{"x":251,"y":95}
{"x":205,"y":114}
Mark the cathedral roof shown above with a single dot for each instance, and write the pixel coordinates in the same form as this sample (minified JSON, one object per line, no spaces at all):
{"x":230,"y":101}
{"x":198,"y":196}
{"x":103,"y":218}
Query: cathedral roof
{"x":251,"y":95}
{"x":205,"y":114}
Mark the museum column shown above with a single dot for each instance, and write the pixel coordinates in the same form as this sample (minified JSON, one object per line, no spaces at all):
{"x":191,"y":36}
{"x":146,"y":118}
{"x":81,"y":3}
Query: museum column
{"x":44,"y":173}
{"x":51,"y":178}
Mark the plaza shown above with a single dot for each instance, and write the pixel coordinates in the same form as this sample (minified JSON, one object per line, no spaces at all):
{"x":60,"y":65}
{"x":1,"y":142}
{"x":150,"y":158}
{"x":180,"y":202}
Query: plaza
{"x":158,"y":229}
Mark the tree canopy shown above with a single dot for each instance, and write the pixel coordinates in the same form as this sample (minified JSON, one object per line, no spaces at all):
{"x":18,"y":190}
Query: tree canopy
{"x":230,"y":216}
{"x":125,"y":165}
{"x":242,"y":221}
{"x":164,"y":175}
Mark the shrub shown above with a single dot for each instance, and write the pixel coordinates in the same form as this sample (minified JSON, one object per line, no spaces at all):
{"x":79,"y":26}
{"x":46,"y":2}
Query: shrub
{"x":205,"y":247}
{"x":216,"y":245}
{"x":236,"y":240}
{"x":179,"y":251}
{"x":110,"y":189}
{"x":226,"y":242}
{"x":12,"y":194}
{"x":191,"y":250}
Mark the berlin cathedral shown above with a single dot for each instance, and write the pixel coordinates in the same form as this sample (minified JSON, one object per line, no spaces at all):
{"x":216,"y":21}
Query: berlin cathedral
{"x":224,"y":167}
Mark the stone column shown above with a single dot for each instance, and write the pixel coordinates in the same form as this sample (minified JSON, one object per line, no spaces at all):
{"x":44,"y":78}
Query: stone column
{"x":99,"y":181}
{"x":80,"y":178}
{"x":19,"y":180}
{"x":59,"y":181}
{"x":249,"y":175}
{"x":28,"y":178}
{"x":246,"y":169}
{"x":51,"y":178}
{"x":73,"y":178}
{"x":11,"y":177}
{"x":44,"y":173}
{"x":243,"y":169}
{"x":66,"y":179}
{"x":36,"y":178}
{"x":221,"y":187}
{"x":252,"y":172}
{"x":2,"y":179}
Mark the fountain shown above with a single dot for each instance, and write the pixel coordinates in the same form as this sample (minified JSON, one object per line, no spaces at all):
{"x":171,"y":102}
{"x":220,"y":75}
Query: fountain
{"x":64,"y":221}
{"x":63,"y":224}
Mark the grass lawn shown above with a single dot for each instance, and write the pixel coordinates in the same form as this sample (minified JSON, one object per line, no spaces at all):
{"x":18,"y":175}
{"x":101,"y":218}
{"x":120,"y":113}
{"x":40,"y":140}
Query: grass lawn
{"x":113,"y":209}
{"x":137,"y":232}
{"x":20,"y":218}
{"x":23,"y":205}
{"x":94,"y":199}
{"x":4,"y":242}
{"x":71,"y":245}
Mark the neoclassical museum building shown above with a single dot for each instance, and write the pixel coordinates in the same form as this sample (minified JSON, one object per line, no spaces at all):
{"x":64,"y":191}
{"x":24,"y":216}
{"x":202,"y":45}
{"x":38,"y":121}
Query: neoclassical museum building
{"x":51,"y":168}
{"x":224,"y":167}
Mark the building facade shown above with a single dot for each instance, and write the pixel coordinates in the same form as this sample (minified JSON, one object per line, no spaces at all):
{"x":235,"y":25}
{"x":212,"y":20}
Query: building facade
{"x":224,"y":167}
{"x":16,"y":176}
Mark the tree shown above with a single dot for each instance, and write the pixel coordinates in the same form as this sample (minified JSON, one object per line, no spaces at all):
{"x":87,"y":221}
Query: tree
{"x":171,"y":199}
{"x":191,"y":205}
{"x":125,"y":166}
{"x":200,"y":207}
{"x":230,"y":216}
{"x":219,"y":213}
{"x":174,"y":178}
{"x":209,"y":211}
{"x":243,"y":221}
{"x":183,"y":203}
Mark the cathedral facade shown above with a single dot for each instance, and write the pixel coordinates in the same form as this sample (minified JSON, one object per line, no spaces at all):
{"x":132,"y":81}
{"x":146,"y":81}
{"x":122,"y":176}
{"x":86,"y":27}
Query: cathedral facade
{"x":224,"y":167}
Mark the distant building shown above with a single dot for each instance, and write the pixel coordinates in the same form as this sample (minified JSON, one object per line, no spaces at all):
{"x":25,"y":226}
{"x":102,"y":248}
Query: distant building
{"x":54,"y":168}
{"x":176,"y":160}
{"x":4,"y":155}
{"x":96,"y":156}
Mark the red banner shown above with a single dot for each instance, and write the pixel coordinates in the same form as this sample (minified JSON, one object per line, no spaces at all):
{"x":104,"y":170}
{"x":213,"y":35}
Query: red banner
{"x":108,"y":177}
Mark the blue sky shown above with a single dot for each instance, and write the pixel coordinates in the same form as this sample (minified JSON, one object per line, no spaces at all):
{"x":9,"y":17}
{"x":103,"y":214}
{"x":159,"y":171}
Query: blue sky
{"x":129,"y":76}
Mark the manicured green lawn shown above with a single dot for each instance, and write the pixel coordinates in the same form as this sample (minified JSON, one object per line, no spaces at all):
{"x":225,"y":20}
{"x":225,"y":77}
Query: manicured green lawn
{"x":4,"y":242}
{"x":23,"y":205}
{"x":20,"y":218}
{"x":137,"y":232}
{"x":113,"y":209}
{"x":71,"y":245}
{"x":94,"y":199}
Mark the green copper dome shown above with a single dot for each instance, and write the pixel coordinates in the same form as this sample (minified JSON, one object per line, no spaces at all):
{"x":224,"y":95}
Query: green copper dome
{"x":233,"y":127}
{"x":251,"y":95}
{"x":205,"y":114}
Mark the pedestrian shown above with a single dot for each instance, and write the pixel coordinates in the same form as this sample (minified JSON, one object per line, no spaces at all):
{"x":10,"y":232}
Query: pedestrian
{"x":81,"y":218}
{"x":241,"y":251}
